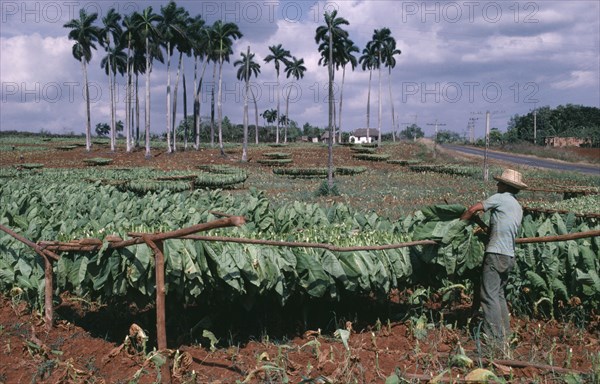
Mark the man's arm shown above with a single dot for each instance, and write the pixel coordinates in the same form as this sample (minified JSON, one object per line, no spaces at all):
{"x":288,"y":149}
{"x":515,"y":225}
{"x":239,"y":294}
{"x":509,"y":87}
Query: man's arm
{"x":471,"y":213}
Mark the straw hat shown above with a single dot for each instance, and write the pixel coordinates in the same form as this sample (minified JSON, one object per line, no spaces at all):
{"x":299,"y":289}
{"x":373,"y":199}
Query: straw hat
{"x":512,"y":178}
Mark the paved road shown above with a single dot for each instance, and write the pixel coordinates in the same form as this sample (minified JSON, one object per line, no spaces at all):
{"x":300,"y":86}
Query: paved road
{"x":530,"y":161}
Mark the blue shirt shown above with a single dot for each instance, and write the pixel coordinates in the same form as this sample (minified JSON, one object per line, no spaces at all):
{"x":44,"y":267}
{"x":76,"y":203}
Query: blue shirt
{"x":505,"y":220}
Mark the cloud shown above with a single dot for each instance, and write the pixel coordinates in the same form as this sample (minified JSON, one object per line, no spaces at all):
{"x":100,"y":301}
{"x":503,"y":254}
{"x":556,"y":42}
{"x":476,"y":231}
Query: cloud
{"x":578,"y":79}
{"x":35,"y":59}
{"x":545,"y":52}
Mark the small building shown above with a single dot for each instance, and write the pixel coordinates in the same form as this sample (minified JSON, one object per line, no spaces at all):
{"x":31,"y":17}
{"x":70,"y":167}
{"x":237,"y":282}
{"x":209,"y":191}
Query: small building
{"x":308,"y":139}
{"x":360,"y":136}
{"x":325,"y":137}
{"x":557,"y":141}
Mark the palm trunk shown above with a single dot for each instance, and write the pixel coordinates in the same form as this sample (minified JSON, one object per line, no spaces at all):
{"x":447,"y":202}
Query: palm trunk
{"x":277,"y":119}
{"x":128,"y":101}
{"x":88,"y":127}
{"x":137,"y":111}
{"x":220,"y":109}
{"x":185,"y":120}
{"x":369,"y":105}
{"x":340,"y":109}
{"x":379,"y":112}
{"x":256,"y":117}
{"x":179,"y":67}
{"x":198,"y":105}
{"x":169,"y":150}
{"x":287,"y":120}
{"x":113,"y":129}
{"x":147,"y":106}
{"x":392,"y":103}
{"x":330,"y":144}
{"x":245,"y":144}
{"x":212,"y":108}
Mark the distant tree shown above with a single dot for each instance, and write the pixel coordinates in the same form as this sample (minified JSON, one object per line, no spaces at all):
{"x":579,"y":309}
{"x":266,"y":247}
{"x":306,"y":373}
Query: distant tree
{"x":411,"y":132}
{"x":346,"y":56}
{"x":222,"y":36}
{"x":296,"y":69}
{"x":496,"y":137}
{"x":445,"y":136}
{"x":332,"y":33}
{"x":565,"y":120}
{"x":389,"y":51}
{"x":247,"y":67}
{"x":381,"y":42}
{"x":368,"y":61}
{"x":146,"y":24}
{"x":270,"y":115}
{"x":85,"y":34}
{"x":278,"y":55}
{"x":110,"y":36}
{"x":102,"y":129}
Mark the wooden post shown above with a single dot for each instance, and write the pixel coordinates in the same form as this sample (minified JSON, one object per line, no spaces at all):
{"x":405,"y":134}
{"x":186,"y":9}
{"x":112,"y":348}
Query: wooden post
{"x":48,"y":290}
{"x":159,"y":268}
{"x":161,"y":329}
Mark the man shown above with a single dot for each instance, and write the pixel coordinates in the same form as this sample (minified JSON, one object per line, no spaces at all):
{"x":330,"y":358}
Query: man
{"x":499,"y":258}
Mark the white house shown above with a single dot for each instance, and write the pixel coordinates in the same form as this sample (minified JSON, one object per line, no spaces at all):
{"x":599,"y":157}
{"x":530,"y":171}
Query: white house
{"x":360,"y":136}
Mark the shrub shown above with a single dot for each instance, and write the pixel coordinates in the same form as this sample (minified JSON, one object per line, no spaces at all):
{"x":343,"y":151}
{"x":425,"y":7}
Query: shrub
{"x":277,"y":155}
{"x":274,"y":161}
{"x":98,"y":161}
{"x":371,"y":157}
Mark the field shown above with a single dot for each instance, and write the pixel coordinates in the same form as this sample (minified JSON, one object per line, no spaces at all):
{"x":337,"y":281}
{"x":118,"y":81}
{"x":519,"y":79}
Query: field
{"x":413,"y":332}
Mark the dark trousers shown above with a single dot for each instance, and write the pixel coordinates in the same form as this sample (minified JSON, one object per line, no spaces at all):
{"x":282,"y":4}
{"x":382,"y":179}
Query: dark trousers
{"x":496,"y":323}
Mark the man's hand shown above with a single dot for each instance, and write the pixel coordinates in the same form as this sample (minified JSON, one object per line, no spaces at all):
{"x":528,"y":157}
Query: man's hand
{"x":471,"y":211}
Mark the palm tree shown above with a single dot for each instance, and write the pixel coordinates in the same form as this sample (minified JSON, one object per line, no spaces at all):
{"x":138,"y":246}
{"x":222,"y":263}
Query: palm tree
{"x":146,"y":23}
{"x":247,"y":67}
{"x":199,"y":39}
{"x":345,"y":57}
{"x":111,"y":33}
{"x":222,"y":35}
{"x":270,"y":115}
{"x":114,"y":61}
{"x":85,"y":34}
{"x":331,"y":32}
{"x":128,"y":37}
{"x":296,"y":69}
{"x":278,"y":55}
{"x":184,"y":46}
{"x":389,"y":61}
{"x":171,"y":30}
{"x":368,"y":61}
{"x":196,"y":33}
{"x":381,"y":38}
{"x":136,"y":64}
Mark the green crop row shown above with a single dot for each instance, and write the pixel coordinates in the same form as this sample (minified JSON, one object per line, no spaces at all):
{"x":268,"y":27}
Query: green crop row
{"x":449,"y":169}
{"x":588,"y":204}
{"x":371,"y":157}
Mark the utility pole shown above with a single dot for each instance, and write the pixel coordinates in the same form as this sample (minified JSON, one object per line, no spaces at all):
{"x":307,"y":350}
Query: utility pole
{"x":487,"y":146}
{"x":471,"y":128}
{"x":487,"y":141}
{"x":415,"y":123}
{"x":534,"y":126}
{"x":435,"y":136}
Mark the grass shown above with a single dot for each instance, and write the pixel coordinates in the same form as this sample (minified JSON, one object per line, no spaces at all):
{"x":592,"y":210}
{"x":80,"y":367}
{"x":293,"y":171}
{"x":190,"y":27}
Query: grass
{"x":548,"y":152}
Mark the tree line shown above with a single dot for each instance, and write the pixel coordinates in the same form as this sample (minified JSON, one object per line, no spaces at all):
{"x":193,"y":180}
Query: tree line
{"x":133,"y":43}
{"x":563,"y":121}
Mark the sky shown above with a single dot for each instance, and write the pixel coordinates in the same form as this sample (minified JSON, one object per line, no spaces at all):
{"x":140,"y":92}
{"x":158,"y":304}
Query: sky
{"x":459,"y":60}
